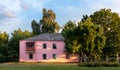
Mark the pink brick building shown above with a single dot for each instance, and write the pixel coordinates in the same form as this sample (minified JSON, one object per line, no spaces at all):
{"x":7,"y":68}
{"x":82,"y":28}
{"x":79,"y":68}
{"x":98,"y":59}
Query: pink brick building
{"x":46,"y":47}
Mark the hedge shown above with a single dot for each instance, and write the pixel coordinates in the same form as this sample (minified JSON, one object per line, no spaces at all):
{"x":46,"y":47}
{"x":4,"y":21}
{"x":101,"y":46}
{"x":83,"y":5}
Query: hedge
{"x":99,"y":64}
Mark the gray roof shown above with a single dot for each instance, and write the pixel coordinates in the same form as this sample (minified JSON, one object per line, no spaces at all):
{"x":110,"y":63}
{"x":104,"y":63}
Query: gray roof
{"x":47,"y":37}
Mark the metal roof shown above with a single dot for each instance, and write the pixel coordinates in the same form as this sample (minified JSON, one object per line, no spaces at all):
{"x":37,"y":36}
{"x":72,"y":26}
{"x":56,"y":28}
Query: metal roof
{"x":47,"y":37}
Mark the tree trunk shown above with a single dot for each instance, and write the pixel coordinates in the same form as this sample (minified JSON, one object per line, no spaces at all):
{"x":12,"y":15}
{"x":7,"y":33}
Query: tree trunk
{"x":107,"y":58}
{"x":80,"y":60}
{"x":117,"y":58}
{"x":90,"y":59}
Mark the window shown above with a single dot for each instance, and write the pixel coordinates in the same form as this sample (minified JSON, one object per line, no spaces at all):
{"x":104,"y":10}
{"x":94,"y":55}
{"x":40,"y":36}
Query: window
{"x":30,"y":56}
{"x":54,"y":56}
{"x":54,"y":46}
{"x":67,"y":56}
{"x":44,"y":46}
{"x":30,"y":44}
{"x":44,"y":56}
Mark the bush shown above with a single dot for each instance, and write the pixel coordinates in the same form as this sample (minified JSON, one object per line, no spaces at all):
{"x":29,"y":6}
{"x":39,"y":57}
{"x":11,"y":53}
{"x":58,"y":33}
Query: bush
{"x":93,"y":65}
{"x":110,"y":64}
{"x":99,"y":65}
{"x":82,"y":64}
{"x":89,"y":64}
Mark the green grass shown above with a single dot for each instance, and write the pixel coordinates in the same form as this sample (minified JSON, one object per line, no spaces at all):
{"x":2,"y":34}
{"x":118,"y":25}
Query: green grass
{"x":50,"y":66}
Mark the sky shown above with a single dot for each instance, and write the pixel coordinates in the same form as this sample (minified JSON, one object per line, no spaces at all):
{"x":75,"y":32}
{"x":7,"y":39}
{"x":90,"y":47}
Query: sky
{"x":15,"y":14}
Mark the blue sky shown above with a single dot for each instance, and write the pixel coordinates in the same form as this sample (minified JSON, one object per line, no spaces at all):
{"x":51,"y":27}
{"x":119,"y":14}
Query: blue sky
{"x":16,"y":14}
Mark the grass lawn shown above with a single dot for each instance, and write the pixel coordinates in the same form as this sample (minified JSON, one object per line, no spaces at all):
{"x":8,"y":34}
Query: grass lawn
{"x":49,"y":66}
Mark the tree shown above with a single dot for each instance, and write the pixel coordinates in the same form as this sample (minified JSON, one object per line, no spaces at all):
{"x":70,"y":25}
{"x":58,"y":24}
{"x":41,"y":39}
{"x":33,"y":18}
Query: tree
{"x":91,"y":39}
{"x":48,"y":23}
{"x":110,"y":21}
{"x":85,"y":17}
{"x":85,"y":39}
{"x":35,"y":27}
{"x":68,"y":33}
{"x":4,"y":51}
{"x":17,"y":35}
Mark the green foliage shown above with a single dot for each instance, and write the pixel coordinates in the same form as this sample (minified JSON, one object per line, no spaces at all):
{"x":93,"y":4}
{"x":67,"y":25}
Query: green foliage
{"x":91,"y":38}
{"x":68,"y":33}
{"x":35,"y":27}
{"x":85,"y":38}
{"x":17,"y":35}
{"x":110,"y":21}
{"x":48,"y":23}
{"x":2,"y":58}
{"x":4,"y":46}
{"x":111,"y":64}
{"x":85,"y":17}
{"x":99,"y":64}
{"x":4,"y":38}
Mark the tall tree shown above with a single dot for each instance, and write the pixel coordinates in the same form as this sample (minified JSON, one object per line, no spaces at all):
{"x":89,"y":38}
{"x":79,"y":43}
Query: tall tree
{"x":4,"y":51}
{"x":17,"y":35}
{"x":68,"y":33}
{"x":86,"y":38}
{"x":48,"y":23}
{"x":35,"y":27}
{"x":110,"y":21}
{"x":91,"y":39}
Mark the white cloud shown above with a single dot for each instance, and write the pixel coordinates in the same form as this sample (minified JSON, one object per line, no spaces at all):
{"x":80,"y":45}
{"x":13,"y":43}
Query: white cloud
{"x":6,"y":13}
{"x":7,"y":17}
{"x":12,"y":5}
{"x":12,"y":12}
{"x":9,"y":14}
{"x":9,"y":25}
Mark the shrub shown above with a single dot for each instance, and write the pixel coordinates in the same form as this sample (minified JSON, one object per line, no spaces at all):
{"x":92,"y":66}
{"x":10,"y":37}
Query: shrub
{"x":110,"y":64}
{"x":82,"y":64}
{"x":93,"y":65}
{"x":89,"y":64}
{"x":99,"y":65}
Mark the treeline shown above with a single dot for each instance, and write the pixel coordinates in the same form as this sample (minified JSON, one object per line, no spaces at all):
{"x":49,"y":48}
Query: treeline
{"x":9,"y":48}
{"x":95,"y":36}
